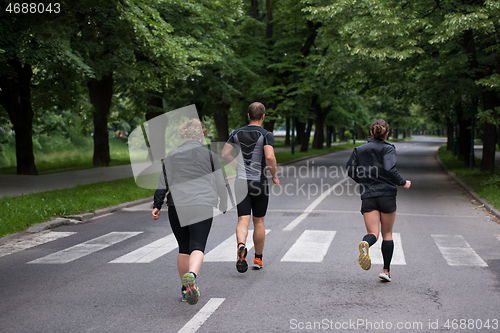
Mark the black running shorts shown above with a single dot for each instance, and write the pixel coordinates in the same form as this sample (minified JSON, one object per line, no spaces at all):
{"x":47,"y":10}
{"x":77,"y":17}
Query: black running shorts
{"x":384,"y":205}
{"x":256,"y":200}
{"x":191,"y":237}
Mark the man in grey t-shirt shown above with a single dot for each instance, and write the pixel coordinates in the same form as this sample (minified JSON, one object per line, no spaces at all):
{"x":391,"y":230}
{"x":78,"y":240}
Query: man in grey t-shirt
{"x":256,"y":146}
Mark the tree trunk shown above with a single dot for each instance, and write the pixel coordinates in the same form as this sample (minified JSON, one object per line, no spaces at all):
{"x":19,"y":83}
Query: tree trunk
{"x":287,"y":135}
{"x":101,"y":92}
{"x":449,"y":132}
{"x":498,"y":137}
{"x":255,"y":8}
{"x":301,"y":128}
{"x":15,"y":97}
{"x":319,"y":122}
{"x":342,"y":134}
{"x":361,"y":135}
{"x":464,"y":137}
{"x":269,"y":125}
{"x":222,"y":125}
{"x":395,"y":133}
{"x":328,"y":136}
{"x":489,"y":148}
{"x":156,"y":128}
{"x":490,"y":102}
{"x":304,"y":146}
{"x":334,"y":134}
{"x":269,"y":27}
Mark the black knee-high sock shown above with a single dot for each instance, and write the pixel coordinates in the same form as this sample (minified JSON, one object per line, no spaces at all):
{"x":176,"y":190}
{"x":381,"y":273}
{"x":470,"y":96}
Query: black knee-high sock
{"x":370,"y":239}
{"x":387,"y":250}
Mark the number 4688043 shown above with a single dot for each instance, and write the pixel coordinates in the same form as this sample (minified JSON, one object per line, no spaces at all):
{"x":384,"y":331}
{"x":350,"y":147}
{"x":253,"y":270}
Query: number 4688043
{"x":33,"y":8}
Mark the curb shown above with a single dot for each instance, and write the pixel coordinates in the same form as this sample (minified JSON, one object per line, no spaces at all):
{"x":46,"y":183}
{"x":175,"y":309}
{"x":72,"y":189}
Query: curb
{"x":492,"y":210}
{"x":85,"y":217}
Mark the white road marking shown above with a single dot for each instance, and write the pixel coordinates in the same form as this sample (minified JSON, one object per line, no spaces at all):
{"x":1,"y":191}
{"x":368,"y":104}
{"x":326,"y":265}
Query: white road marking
{"x":150,"y":252}
{"x":313,"y":205}
{"x":457,"y":251}
{"x":31,"y":241}
{"x":202,"y":315}
{"x":85,"y":248}
{"x":226,"y":251}
{"x":311,"y":246}
{"x":398,"y":257}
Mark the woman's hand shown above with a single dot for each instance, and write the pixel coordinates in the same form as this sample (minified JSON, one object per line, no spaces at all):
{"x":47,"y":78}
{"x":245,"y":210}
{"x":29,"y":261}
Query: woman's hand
{"x":408,"y":184}
{"x":155,"y":214}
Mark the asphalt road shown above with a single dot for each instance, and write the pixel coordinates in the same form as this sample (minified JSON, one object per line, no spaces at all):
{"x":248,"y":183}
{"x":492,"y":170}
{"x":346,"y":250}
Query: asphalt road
{"x":445,"y":271}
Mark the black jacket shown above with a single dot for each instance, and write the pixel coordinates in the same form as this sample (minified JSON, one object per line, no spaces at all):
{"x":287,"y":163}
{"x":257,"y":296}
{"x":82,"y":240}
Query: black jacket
{"x":194,"y":176}
{"x":373,"y":165}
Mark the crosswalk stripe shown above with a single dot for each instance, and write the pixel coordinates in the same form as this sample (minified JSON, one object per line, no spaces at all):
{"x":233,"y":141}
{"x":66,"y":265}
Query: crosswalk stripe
{"x":457,"y":251}
{"x":226,"y":251}
{"x":85,"y":248}
{"x":206,"y":311}
{"x":313,"y":205}
{"x":32,"y":241}
{"x":150,"y":252}
{"x":311,"y":246}
{"x":398,"y":257}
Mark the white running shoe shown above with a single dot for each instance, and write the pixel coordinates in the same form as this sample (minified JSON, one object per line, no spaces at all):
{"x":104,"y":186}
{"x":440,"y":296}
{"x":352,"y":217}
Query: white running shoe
{"x":385,"y":275}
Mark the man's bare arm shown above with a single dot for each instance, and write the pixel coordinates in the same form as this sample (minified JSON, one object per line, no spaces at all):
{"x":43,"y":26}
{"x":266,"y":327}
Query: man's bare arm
{"x":271,"y":163}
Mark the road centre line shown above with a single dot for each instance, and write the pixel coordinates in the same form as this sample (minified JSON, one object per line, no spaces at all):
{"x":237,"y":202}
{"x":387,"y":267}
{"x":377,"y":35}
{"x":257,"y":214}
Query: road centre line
{"x":206,"y":311}
{"x":313,"y":205}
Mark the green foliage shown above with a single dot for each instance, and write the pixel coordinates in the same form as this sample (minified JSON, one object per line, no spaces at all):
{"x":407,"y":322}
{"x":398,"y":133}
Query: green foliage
{"x":419,"y":52}
{"x":493,"y":182}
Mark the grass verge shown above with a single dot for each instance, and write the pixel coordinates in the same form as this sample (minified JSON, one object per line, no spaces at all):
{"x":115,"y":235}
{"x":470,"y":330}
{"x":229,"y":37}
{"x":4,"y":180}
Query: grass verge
{"x":18,"y":213}
{"x":485,"y":184}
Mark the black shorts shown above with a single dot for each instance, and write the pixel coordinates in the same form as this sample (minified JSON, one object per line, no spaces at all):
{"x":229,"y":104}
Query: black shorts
{"x":256,"y":200}
{"x":191,"y":237}
{"x":384,"y":205}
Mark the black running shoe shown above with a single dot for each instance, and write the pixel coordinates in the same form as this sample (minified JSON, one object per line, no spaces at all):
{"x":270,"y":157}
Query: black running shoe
{"x":241,"y":264}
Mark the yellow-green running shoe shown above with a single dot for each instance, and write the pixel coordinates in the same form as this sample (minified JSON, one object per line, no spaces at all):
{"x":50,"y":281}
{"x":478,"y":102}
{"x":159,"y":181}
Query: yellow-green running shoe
{"x":364,"y":256}
{"x":192,"y":291}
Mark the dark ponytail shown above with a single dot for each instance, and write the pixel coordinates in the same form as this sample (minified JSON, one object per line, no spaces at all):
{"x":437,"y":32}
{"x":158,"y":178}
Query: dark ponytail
{"x":379,"y":128}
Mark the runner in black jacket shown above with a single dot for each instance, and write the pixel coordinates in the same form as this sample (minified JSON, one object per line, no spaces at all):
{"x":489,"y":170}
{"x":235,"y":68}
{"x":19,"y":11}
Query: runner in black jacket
{"x":373,"y":166}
